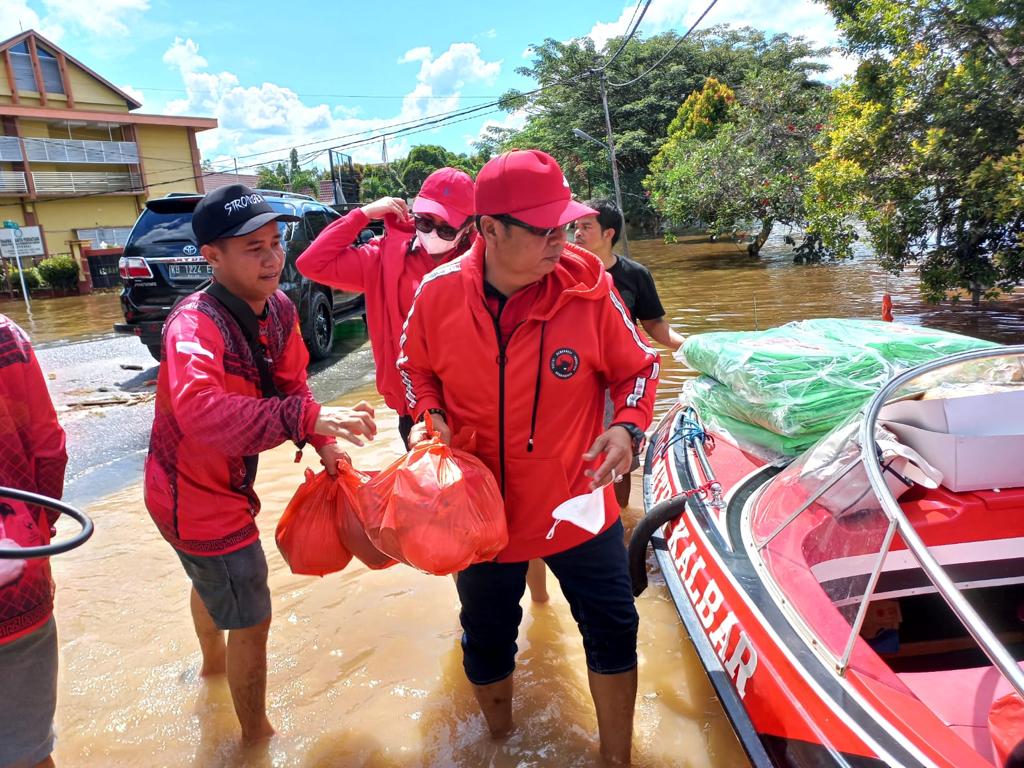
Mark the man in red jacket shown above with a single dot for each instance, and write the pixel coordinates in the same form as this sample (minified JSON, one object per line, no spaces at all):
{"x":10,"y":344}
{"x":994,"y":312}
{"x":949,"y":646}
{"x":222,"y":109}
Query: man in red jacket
{"x":232,"y":383}
{"x":32,"y":458}
{"x":518,"y":340}
{"x":388,"y":271}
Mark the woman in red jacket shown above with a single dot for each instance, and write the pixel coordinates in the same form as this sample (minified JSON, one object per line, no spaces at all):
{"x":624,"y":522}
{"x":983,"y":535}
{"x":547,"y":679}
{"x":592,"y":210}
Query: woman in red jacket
{"x":32,"y":458}
{"x":389,"y":269}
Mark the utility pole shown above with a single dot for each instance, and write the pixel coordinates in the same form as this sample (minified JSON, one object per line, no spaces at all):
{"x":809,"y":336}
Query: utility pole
{"x":615,"y":166}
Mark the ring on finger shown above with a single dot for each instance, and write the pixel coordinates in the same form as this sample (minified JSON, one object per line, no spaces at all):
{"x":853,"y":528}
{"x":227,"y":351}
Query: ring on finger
{"x":616,"y":477}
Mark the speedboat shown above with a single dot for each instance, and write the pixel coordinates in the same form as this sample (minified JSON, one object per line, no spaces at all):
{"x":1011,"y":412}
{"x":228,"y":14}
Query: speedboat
{"x":850,"y":607}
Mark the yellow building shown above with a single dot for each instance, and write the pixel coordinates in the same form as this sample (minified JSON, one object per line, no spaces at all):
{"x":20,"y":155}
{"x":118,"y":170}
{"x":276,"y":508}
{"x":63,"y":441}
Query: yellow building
{"x":75,"y":160}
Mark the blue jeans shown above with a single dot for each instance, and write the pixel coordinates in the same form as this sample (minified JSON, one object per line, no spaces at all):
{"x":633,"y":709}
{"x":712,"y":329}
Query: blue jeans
{"x":594,"y":577}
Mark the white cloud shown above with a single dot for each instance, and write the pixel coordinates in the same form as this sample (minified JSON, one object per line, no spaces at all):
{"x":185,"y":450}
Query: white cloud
{"x":269,"y":116}
{"x":806,"y":18}
{"x":490,"y":34}
{"x":453,"y":69}
{"x":135,"y":93}
{"x":515,"y":120}
{"x":106,"y":18}
{"x":16,"y":17}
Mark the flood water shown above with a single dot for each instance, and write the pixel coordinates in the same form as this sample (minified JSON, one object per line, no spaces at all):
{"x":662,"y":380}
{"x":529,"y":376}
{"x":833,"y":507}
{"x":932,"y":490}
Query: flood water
{"x":365,"y":667}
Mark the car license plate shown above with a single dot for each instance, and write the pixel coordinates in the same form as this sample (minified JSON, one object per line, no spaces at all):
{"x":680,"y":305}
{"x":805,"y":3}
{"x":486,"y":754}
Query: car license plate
{"x":189,"y":271}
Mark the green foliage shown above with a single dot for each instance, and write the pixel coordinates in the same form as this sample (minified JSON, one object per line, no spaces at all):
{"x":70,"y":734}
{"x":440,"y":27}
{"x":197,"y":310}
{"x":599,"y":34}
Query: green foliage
{"x":59,"y":272}
{"x":32,"y":279}
{"x":733,"y":159}
{"x":404,"y":177}
{"x":925,"y":146}
{"x":641,"y":113}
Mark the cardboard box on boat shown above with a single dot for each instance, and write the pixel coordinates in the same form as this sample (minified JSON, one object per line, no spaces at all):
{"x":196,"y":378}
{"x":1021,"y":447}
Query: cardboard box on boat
{"x":977,"y":442}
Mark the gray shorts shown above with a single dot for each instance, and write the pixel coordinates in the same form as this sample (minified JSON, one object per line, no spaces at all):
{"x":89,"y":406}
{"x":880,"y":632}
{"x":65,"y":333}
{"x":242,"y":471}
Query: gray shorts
{"x":233,"y":587}
{"x":28,"y":669}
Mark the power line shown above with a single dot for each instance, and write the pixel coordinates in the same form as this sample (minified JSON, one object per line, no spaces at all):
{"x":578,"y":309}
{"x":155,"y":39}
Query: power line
{"x":668,"y":52}
{"x":629,"y":35}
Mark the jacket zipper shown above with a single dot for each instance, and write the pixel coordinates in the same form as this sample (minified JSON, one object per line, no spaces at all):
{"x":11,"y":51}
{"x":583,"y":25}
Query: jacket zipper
{"x":502,"y":361}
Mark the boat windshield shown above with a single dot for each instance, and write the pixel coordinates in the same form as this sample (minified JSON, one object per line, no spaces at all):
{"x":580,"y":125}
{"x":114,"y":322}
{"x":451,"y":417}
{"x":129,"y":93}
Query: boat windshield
{"x":826,"y":528}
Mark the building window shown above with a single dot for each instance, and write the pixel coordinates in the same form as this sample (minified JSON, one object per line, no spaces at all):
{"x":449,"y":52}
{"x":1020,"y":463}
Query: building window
{"x":105,"y":237}
{"x":51,"y":71}
{"x":21,"y":63}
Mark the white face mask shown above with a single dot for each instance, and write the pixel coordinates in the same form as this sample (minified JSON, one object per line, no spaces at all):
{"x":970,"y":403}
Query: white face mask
{"x":434,"y":245}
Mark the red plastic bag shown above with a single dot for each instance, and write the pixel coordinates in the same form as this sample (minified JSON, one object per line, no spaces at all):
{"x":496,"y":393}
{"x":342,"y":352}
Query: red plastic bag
{"x":437,"y":508}
{"x":350,"y":526}
{"x":307,"y":533}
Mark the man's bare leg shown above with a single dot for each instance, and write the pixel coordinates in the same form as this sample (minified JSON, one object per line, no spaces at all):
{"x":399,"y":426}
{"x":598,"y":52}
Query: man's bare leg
{"x":247,"y":679}
{"x":614,"y":700}
{"x":536,"y":580}
{"x":495,"y":702}
{"x":211,"y":639}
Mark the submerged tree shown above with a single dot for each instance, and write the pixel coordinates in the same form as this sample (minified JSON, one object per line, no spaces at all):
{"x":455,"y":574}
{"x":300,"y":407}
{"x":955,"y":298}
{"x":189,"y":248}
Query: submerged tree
{"x":926,"y":145}
{"x":736,"y":159}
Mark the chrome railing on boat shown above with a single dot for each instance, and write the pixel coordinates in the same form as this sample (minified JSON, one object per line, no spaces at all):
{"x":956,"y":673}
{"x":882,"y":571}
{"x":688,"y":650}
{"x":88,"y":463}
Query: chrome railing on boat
{"x":975,"y":625}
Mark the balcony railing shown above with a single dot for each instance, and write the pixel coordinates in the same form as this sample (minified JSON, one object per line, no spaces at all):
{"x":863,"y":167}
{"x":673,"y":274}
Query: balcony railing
{"x":68,"y":151}
{"x":73,"y":182}
{"x":13,"y":182}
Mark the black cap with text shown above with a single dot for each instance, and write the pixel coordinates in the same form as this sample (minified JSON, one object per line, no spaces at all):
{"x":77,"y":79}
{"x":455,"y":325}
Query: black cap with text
{"x":232,"y":211}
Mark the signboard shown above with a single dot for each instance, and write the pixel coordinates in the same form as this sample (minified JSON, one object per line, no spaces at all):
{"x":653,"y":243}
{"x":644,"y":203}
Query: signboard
{"x":30,"y":242}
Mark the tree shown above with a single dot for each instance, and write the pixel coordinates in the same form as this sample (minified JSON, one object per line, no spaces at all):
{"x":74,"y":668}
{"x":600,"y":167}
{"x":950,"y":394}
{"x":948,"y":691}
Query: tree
{"x":640,"y":113}
{"x":272,"y":177}
{"x":925,"y":146}
{"x":735,"y":159}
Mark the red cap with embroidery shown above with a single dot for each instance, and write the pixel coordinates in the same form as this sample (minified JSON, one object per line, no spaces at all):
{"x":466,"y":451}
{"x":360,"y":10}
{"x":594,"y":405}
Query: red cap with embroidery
{"x":448,"y":193}
{"x":528,"y":185}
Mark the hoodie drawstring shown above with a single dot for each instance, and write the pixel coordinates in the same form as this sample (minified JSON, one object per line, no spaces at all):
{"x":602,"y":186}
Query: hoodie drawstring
{"x":536,"y":388}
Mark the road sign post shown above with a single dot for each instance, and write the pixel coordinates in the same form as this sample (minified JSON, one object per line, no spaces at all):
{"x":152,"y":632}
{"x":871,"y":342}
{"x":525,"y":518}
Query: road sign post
{"x":13,"y":225}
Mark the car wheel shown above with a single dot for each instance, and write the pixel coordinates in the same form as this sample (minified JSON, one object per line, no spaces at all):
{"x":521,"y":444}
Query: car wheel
{"x":154,"y":350}
{"x":319,"y":334}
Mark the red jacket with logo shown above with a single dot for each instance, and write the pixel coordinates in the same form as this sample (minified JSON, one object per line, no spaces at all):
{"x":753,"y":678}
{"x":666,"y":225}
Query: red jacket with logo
{"x":209,"y":416}
{"x":538,"y":404}
{"x":376,"y":269}
{"x":32,"y":458}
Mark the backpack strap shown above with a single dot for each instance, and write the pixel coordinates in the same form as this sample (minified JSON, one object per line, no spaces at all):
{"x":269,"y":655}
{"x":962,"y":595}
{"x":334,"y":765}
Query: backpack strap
{"x":249,"y":324}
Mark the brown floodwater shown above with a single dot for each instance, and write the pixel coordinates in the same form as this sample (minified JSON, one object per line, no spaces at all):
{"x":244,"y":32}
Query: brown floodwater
{"x":365,"y":667}
{"x":70,"y":318}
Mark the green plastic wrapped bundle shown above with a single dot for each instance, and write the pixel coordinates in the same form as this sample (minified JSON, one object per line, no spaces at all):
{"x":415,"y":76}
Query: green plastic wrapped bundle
{"x":786,"y":387}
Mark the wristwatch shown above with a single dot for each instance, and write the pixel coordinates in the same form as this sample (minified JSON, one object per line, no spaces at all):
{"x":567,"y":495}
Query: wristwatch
{"x":635,"y":433}
{"x":438,"y":412}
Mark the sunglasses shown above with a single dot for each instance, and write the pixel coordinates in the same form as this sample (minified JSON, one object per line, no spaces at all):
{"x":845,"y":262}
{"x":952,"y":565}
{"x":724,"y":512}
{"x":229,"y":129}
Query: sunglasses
{"x":444,"y":231}
{"x":544,"y":232}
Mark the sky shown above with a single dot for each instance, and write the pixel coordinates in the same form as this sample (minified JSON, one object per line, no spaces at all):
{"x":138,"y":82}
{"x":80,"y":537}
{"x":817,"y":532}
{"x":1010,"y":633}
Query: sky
{"x":313,"y":75}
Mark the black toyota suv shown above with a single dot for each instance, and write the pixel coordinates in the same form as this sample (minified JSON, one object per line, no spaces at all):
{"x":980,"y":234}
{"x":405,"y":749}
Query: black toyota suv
{"x":161,"y":265}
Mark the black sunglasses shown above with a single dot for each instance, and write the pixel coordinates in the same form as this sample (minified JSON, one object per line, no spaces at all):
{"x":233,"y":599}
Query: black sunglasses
{"x":504,"y":218}
{"x":426,"y":226}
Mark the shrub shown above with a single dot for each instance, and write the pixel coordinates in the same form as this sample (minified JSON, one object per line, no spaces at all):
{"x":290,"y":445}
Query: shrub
{"x":32,"y":279}
{"x":59,"y":272}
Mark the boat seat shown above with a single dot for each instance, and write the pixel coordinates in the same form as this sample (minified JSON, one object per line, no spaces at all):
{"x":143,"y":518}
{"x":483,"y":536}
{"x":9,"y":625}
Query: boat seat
{"x":962,"y":699}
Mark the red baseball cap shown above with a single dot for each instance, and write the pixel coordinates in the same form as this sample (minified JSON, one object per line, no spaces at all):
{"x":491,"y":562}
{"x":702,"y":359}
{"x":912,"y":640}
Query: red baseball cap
{"x":448,"y":193}
{"x":529,"y":185}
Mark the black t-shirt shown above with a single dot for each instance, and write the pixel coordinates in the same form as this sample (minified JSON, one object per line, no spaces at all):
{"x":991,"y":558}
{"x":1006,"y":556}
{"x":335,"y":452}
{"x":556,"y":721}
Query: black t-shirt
{"x":634,"y":283}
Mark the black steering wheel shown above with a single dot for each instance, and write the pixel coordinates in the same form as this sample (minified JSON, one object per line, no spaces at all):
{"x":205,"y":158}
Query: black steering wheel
{"x":26,"y":553}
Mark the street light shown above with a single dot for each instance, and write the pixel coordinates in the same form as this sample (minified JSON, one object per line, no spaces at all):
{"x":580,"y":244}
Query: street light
{"x":13,"y":225}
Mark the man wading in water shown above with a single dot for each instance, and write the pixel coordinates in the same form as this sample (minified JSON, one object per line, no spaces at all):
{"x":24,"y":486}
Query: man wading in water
{"x":518,"y":340}
{"x":232,"y":384}
{"x":599,"y":233}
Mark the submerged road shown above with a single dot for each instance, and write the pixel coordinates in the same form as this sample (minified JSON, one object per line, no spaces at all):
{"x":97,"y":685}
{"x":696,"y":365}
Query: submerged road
{"x":104,"y":390}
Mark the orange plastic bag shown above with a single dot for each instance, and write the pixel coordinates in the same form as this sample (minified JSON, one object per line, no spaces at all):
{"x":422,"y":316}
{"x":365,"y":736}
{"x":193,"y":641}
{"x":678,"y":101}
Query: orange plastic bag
{"x":307,"y":533}
{"x":437,"y":508}
{"x":350,"y":526}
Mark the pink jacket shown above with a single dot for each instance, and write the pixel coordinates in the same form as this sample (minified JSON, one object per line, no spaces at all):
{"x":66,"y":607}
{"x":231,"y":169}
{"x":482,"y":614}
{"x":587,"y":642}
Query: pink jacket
{"x":374,"y":269}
